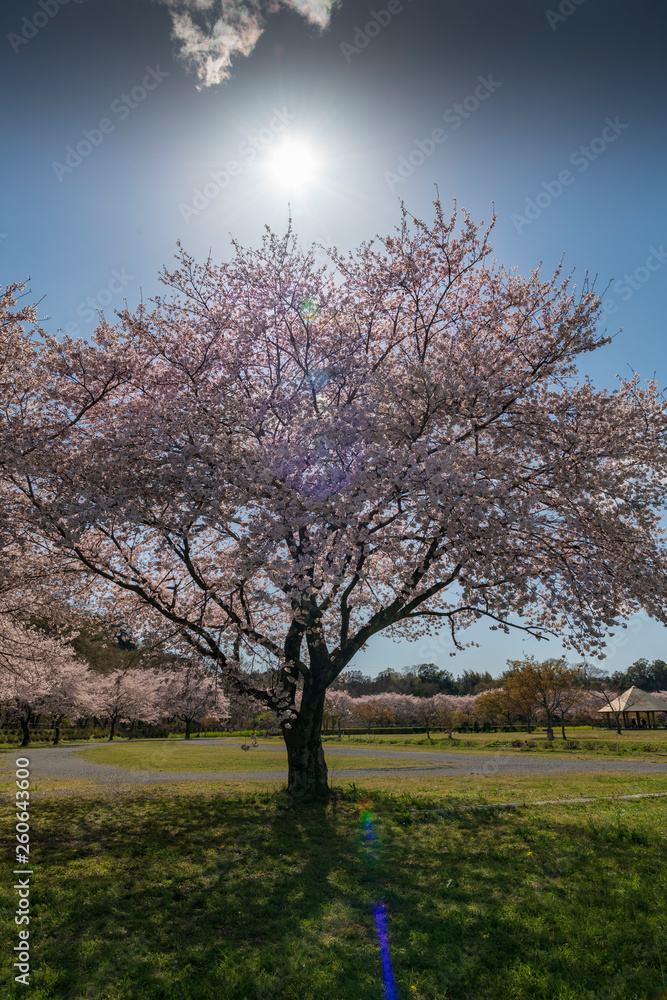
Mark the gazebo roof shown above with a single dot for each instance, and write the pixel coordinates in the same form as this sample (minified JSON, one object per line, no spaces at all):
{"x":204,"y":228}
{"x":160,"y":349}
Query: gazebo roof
{"x":635,"y":700}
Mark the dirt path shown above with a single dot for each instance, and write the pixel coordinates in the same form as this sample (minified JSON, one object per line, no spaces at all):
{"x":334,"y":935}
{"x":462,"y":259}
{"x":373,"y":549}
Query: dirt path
{"x":64,"y":762}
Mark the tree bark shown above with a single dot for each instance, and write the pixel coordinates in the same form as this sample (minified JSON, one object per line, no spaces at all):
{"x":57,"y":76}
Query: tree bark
{"x":56,"y":734}
{"x":25,"y":729}
{"x":187,"y":728}
{"x":307,"y":778}
{"x":113,"y":730}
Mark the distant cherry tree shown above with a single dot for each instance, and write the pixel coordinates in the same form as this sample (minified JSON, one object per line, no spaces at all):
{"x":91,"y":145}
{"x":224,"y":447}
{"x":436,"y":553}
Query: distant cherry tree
{"x":189,"y":694}
{"x":337,"y":708}
{"x":55,"y":687}
{"x":288,"y":458}
{"x":125,"y":696}
{"x":372,"y":710}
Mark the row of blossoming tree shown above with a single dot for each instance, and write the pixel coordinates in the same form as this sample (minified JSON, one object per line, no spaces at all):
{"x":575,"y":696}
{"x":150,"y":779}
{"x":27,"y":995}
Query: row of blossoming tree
{"x":287,"y":458}
{"x":551,"y":693}
{"x":64,"y":688}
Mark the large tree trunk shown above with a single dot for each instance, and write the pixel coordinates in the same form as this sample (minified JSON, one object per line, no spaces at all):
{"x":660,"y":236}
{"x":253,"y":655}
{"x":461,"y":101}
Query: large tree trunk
{"x":307,"y":779}
{"x":188,"y":723}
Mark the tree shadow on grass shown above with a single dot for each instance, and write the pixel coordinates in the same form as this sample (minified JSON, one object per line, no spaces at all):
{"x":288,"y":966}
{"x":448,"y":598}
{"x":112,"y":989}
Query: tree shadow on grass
{"x":167,"y":897}
{"x":524,"y":906}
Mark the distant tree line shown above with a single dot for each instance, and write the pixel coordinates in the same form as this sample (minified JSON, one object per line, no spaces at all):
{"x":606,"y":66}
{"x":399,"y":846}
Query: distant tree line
{"x":645,"y":675}
{"x":551,"y":693}
{"x":423,"y":680}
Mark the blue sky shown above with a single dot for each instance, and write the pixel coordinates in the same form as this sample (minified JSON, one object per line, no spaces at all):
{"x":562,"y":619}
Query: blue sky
{"x":554,"y":113}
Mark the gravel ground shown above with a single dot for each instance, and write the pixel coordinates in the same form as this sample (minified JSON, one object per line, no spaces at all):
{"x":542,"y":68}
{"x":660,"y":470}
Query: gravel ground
{"x":64,"y":762}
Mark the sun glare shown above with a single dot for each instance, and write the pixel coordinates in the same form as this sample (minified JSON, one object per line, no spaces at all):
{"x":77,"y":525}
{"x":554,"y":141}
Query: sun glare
{"x":293,"y":166}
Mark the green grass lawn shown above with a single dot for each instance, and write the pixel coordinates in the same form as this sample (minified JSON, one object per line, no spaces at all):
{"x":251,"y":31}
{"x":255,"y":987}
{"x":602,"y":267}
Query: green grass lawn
{"x":179,"y":893}
{"x":580,"y":742}
{"x":170,"y":755}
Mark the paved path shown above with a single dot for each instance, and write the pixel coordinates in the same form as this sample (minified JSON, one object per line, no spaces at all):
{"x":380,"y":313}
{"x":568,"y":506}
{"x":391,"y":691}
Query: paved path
{"x":64,"y":762}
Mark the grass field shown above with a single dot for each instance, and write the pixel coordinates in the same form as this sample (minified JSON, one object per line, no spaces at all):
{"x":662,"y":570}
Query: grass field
{"x":170,"y":755}
{"x":579,"y":742}
{"x":184,"y":893}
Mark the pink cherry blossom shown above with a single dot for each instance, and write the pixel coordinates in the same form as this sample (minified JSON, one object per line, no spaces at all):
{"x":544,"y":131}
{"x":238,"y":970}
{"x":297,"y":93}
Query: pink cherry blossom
{"x":417,"y":453}
{"x":190,"y":693}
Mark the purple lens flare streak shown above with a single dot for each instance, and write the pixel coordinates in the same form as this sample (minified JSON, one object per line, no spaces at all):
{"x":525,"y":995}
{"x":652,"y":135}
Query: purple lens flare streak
{"x":388,"y":981}
{"x":379,"y":912}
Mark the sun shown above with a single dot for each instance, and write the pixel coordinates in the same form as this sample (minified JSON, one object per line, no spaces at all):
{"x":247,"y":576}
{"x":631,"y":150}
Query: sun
{"x":293,"y":165}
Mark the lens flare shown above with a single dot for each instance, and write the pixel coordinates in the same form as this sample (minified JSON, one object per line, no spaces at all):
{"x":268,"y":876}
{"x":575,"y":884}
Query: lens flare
{"x":379,"y":912}
{"x":388,"y":981}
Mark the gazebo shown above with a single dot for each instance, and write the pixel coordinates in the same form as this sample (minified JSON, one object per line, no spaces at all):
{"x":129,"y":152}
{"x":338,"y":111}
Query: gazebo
{"x":637,"y":701}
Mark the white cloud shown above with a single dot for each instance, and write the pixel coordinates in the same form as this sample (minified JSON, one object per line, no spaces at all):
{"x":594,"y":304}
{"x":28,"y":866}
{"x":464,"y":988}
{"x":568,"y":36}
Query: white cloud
{"x":209,"y":33}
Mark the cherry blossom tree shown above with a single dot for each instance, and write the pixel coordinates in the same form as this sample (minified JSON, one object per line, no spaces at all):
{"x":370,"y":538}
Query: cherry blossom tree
{"x":591,"y":702}
{"x":189,"y":694}
{"x":69,"y":695}
{"x":448,"y":714}
{"x":32,"y":587}
{"x":292,"y":458}
{"x":372,"y":710}
{"x":337,"y":707}
{"x":125,"y":696}
{"x":40,"y":686}
{"x":663,"y":696}
{"x":402,"y":707}
{"x":426,"y":712}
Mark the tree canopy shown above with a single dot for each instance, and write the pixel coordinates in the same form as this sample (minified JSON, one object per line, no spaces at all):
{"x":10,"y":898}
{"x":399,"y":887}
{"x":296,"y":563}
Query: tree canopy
{"x":286,"y":459}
